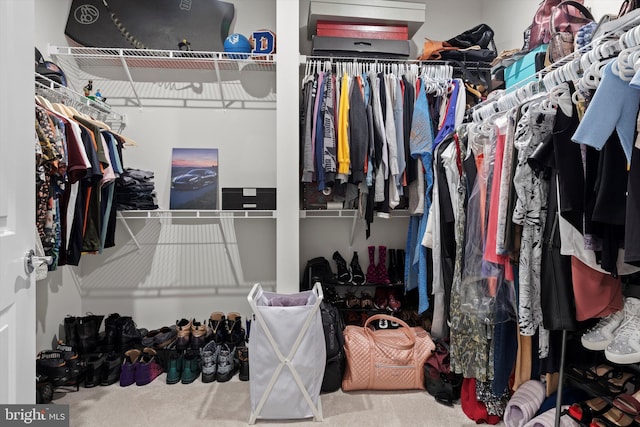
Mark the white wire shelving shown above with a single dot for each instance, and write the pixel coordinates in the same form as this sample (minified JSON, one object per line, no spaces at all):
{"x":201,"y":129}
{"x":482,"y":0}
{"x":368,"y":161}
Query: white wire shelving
{"x":56,"y":93}
{"x":167,"y":78}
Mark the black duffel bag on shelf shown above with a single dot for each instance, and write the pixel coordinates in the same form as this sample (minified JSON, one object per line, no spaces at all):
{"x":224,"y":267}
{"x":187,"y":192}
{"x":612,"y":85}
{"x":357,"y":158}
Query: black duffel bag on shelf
{"x":473,"y":45}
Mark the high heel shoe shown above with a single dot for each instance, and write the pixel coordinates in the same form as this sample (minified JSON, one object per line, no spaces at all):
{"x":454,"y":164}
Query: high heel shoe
{"x":344,"y":275}
{"x":357,"y":275}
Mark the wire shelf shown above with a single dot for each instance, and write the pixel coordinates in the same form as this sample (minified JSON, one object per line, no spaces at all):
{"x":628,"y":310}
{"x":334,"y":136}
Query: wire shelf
{"x":196,"y":214}
{"x":167,"y":78}
{"x":55,"y":92}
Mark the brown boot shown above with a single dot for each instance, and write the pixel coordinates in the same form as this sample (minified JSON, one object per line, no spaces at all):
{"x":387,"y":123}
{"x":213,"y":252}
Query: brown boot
{"x":198,"y":334}
{"x":183,"y":329}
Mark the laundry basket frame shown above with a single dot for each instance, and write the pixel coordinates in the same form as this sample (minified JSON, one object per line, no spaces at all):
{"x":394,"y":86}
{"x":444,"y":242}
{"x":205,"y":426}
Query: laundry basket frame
{"x":316,"y":409}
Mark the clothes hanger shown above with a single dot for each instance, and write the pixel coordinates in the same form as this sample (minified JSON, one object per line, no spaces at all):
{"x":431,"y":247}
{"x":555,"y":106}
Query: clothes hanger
{"x":44,"y":102}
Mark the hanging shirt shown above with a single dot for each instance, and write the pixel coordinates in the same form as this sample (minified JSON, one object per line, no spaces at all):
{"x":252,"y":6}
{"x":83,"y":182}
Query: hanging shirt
{"x":318,"y":135}
{"x":308,"y":167}
{"x":399,"y":124}
{"x":358,"y":132}
{"x":422,"y":146}
{"x":329,"y":132}
{"x":490,"y":254}
{"x":614,"y":107}
{"x":343,"y":128}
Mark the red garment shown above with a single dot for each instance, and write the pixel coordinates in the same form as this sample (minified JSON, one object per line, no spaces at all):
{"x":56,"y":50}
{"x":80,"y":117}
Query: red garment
{"x":473,"y":408}
{"x":492,"y":226}
{"x":596,"y":294}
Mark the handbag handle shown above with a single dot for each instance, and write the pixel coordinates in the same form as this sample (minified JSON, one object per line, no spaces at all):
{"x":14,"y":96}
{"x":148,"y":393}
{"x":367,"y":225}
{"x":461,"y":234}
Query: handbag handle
{"x":406,"y":329}
{"x":583,"y":10}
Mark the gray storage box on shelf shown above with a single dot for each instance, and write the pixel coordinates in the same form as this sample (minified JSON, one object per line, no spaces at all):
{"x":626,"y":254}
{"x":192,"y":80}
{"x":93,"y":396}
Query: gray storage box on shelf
{"x":287,"y":354}
{"x":348,"y":46}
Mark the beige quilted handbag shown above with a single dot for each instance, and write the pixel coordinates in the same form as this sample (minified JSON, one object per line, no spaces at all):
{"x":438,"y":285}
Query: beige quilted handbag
{"x":385,"y":359}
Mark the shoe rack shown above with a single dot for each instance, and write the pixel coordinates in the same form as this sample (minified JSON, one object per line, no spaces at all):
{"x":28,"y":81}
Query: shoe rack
{"x":360,"y":293}
{"x":358,"y":302}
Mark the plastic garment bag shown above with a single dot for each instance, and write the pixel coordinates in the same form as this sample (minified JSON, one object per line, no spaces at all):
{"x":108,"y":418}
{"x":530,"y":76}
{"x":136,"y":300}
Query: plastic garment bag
{"x":484,"y":293}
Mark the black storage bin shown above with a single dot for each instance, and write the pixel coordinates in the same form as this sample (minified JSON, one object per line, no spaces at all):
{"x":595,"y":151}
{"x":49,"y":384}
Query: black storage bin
{"x":240,"y":198}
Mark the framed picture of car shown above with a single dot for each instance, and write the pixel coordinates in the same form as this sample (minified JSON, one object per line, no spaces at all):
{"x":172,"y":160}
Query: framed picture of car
{"x":194,"y":179}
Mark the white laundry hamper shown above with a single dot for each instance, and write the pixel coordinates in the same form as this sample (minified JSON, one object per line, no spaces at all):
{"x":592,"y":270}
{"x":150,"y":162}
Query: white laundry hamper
{"x":287,"y":354}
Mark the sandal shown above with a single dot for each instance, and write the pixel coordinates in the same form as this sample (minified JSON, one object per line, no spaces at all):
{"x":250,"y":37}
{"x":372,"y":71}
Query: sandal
{"x":600,"y":380}
{"x":621,"y":382}
{"x":352,"y":301}
{"x":366,"y":301}
{"x":585,"y":412}
{"x":628,"y":403}
{"x":613,"y":418}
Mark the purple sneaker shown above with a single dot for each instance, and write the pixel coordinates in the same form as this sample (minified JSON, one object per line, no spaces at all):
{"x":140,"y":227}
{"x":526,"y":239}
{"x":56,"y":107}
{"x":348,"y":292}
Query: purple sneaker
{"x":148,"y":368}
{"x":128,"y":371}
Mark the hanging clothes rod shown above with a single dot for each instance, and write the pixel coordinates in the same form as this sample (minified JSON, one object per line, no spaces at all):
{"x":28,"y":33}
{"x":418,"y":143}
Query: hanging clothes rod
{"x":571,"y":66}
{"x":474,"y":72}
{"x":483,"y":66}
{"x":55,"y":92}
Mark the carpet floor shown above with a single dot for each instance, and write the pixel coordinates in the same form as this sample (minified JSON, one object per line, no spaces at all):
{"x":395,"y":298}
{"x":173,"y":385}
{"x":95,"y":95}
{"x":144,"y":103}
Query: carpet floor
{"x":229,"y":405}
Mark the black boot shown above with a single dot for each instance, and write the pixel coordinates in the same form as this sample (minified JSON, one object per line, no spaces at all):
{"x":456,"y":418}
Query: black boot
{"x":400,"y":264}
{"x":393,"y":267}
{"x":235,"y":331}
{"x":71,"y":331}
{"x":243,"y":358}
{"x":89,"y":333}
{"x":93,"y":375}
{"x":344,"y":276}
{"x":110,"y":338}
{"x":110,"y":369}
{"x":128,"y":334}
{"x":357,"y":275}
{"x":218,"y":327}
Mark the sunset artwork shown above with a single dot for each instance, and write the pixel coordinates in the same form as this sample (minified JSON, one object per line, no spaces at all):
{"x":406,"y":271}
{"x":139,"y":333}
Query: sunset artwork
{"x":194,"y":178}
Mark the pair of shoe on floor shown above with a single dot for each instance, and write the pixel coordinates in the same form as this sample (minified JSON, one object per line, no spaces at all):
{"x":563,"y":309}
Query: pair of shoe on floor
{"x":220,"y":362}
{"x":523,"y":406}
{"x":160,"y":338}
{"x":184,"y":366}
{"x":102,"y":369}
{"x":190,"y":334}
{"x":219,"y":328}
{"x":62,"y":366}
{"x":618,"y":334}
{"x":139,"y":367}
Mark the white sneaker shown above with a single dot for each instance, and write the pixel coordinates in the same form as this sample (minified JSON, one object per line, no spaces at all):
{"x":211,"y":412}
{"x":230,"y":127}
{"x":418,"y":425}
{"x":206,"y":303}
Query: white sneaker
{"x":625,"y":346}
{"x":599,"y":336}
